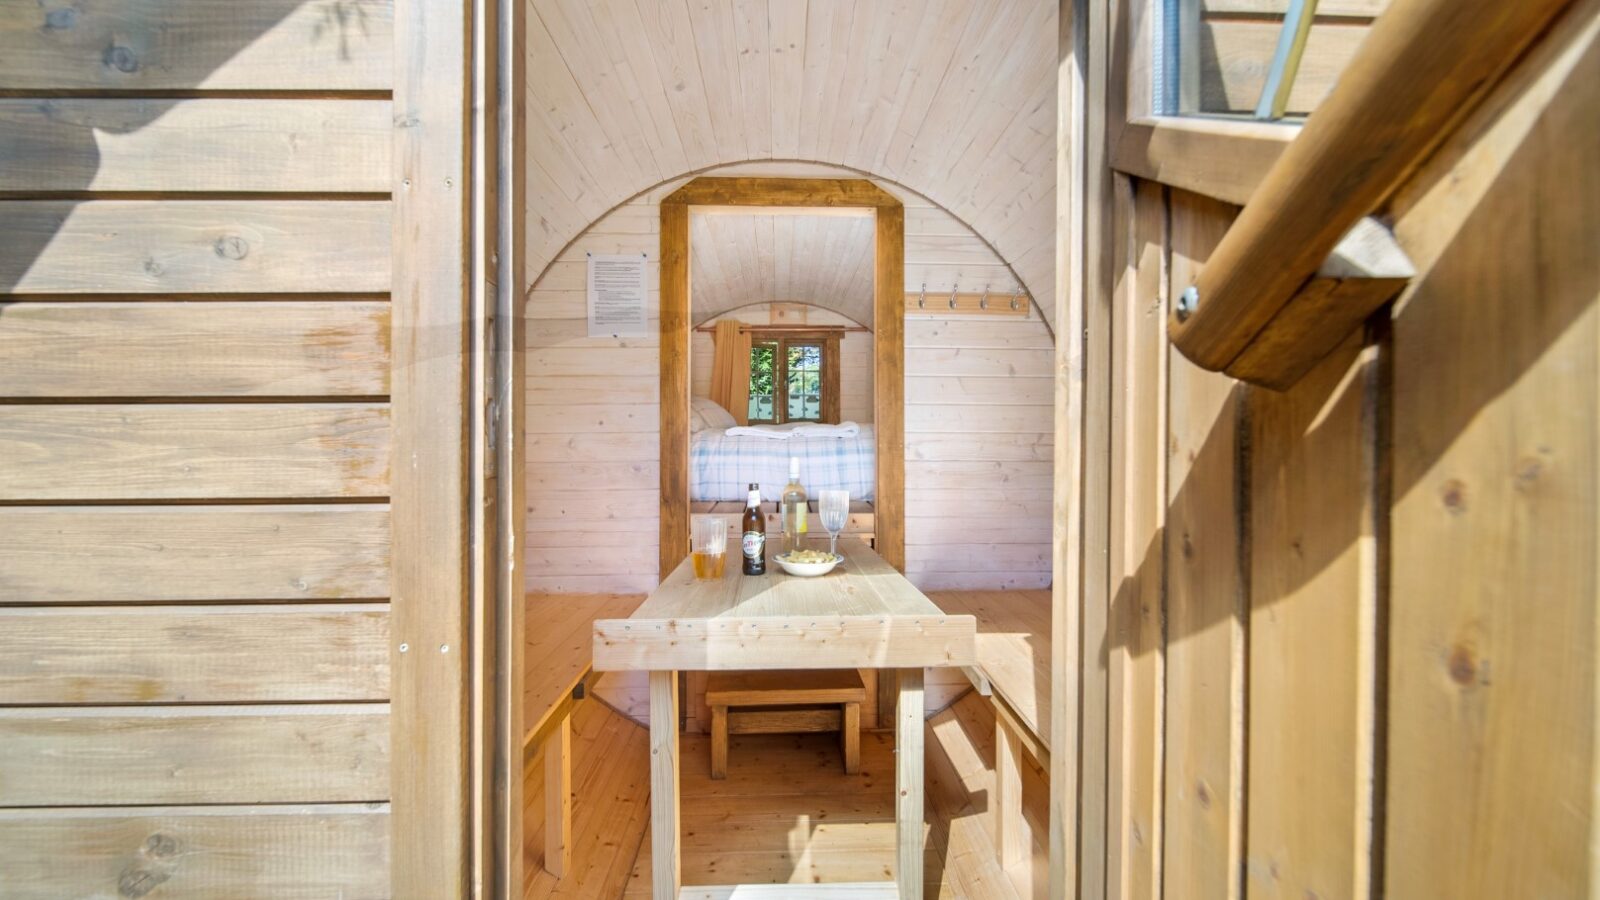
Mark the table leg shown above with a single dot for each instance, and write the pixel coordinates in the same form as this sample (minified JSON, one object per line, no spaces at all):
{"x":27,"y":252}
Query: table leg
{"x":909,"y":785}
{"x":1012,"y":836}
{"x":558,"y":799}
{"x":666,"y":874}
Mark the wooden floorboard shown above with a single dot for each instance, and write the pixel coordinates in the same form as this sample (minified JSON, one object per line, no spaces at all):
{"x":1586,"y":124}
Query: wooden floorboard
{"x":787,"y":813}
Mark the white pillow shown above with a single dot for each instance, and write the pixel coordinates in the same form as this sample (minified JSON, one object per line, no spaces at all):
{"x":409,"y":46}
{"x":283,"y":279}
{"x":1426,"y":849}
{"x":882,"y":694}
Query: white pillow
{"x":706,"y":413}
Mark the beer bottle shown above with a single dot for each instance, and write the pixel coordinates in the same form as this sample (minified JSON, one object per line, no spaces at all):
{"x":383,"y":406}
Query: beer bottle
{"x":755,"y":535}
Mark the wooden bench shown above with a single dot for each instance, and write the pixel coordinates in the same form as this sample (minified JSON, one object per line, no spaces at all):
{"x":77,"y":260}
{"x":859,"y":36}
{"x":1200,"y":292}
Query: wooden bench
{"x":1013,"y":670}
{"x":785,"y":702}
{"x":558,"y":660}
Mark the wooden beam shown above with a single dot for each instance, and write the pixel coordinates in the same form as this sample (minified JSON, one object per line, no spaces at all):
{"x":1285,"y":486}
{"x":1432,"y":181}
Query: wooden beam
{"x":889,"y":382}
{"x":909,"y":784}
{"x":558,"y":800}
{"x":666,"y":872}
{"x":674,"y":386}
{"x":431,"y":314}
{"x":1423,"y":64}
{"x":1013,"y":838}
{"x":791,"y":192}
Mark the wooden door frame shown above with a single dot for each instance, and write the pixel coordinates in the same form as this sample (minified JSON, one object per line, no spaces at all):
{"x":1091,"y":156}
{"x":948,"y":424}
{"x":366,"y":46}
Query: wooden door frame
{"x":888,"y":339}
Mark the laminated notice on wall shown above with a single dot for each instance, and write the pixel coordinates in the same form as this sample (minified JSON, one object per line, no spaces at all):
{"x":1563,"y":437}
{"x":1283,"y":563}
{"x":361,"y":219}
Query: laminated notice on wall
{"x":616,"y":296}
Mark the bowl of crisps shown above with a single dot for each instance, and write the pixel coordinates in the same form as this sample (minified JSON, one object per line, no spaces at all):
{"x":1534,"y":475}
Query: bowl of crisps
{"x":808,"y":563}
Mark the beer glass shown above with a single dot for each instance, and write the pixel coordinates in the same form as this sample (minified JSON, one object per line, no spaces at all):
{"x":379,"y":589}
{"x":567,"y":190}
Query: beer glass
{"x":710,"y":546}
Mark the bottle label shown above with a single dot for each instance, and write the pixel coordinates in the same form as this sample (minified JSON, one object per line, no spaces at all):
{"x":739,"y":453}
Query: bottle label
{"x":755,"y":544}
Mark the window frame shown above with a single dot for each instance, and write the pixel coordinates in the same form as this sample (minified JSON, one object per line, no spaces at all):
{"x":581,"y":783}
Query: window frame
{"x":1217,"y":157}
{"x":828,"y":341}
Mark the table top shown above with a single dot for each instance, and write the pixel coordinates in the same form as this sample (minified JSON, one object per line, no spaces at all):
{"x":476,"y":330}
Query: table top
{"x":863,"y":614}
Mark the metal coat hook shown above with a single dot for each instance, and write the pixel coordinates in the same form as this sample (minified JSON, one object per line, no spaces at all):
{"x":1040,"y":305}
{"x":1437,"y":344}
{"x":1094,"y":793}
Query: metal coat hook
{"x":953,"y":297}
{"x":922,"y":296}
{"x":983,"y":302}
{"x":1016,"y":299}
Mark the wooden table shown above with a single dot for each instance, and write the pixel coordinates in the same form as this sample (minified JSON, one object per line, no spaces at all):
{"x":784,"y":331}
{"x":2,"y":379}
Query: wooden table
{"x":862,"y":615}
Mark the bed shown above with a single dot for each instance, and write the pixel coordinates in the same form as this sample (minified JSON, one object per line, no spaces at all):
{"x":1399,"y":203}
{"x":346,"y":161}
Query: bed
{"x":722,"y":465}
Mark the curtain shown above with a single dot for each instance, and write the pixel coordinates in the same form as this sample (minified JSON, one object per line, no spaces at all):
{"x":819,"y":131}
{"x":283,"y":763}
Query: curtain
{"x":730,"y":370}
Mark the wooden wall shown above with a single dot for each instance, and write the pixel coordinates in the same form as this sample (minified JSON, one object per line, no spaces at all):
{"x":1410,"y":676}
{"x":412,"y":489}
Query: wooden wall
{"x":978,"y":419}
{"x":1352,"y":635}
{"x":195,"y":448}
{"x":855,"y":354}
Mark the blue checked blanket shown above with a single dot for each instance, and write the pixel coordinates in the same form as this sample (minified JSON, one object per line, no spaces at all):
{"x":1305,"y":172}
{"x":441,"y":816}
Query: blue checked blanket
{"x":723,"y":467}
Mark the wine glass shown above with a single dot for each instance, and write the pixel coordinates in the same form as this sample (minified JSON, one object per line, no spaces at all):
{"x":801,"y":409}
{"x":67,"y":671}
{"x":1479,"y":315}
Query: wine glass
{"x":835,"y":509}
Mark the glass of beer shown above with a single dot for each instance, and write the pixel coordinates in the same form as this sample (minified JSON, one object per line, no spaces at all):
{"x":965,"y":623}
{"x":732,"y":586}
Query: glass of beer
{"x":710,"y":546}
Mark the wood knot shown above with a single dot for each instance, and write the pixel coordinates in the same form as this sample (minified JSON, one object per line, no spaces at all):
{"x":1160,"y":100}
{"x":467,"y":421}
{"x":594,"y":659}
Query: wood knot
{"x":1463,"y":666}
{"x":161,"y":846}
{"x":1453,"y":494}
{"x":231,"y":246}
{"x":1528,"y":471}
{"x":60,"y":19}
{"x":136,"y":883}
{"x":120,"y":58}
{"x":1188,"y":547}
{"x":1202,"y":793}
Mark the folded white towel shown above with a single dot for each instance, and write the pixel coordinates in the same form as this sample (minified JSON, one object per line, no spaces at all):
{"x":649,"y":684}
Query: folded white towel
{"x":773,"y":432}
{"x":796,"y":429}
{"x":816,"y":429}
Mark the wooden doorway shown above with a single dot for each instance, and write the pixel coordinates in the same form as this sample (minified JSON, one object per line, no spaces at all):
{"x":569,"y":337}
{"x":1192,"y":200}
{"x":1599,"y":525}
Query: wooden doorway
{"x":888,"y":339}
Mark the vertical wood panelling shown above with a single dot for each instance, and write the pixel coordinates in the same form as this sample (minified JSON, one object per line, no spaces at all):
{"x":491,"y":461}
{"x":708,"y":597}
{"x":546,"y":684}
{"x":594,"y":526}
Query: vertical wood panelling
{"x":1309,"y":495}
{"x":1205,"y":596}
{"x":1358,"y":699}
{"x":432,"y":313}
{"x":1492,"y":716}
{"x":1138,"y":604}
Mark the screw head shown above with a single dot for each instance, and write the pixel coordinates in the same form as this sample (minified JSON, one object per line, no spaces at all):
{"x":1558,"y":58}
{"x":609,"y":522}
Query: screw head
{"x":1188,"y":302}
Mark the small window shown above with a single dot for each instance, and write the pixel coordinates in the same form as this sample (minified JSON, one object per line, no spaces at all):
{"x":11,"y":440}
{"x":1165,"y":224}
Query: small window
{"x":803,"y":377}
{"x":790,"y":379}
{"x":763,"y":382}
{"x":1259,"y":59}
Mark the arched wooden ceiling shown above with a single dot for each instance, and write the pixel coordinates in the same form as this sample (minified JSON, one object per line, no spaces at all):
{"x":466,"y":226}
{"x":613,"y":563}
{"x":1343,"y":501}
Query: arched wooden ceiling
{"x":954,"y":99}
{"x":739,"y":260}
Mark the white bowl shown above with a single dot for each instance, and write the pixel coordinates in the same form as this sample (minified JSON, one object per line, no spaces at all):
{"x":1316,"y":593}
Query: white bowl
{"x":808,"y":570}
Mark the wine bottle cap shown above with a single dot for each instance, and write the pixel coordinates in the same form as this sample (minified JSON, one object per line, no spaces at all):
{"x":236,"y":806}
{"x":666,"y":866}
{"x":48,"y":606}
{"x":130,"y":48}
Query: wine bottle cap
{"x":794,"y":468}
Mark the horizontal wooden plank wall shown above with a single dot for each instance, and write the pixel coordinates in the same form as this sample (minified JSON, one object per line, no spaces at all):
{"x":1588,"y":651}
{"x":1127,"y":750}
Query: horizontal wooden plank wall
{"x":978,"y":425}
{"x":1353,"y":651}
{"x":194,"y":448}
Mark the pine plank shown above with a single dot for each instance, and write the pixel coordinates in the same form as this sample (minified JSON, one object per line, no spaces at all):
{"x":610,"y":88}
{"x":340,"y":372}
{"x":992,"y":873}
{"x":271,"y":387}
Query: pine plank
{"x":1493,"y":536}
{"x":1204,"y":713}
{"x":215,"y":44}
{"x":191,"y":654}
{"x":97,"y":756}
{"x":193,"y":451}
{"x":1310,"y":491}
{"x":142,"y":144}
{"x":210,"y":349}
{"x":305,"y":852}
{"x":133,"y":554}
{"x":208,"y":246}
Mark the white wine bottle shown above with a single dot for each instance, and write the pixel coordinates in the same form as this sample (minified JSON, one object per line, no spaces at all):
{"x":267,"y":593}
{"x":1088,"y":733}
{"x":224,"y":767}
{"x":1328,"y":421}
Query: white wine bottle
{"x":792,"y":510}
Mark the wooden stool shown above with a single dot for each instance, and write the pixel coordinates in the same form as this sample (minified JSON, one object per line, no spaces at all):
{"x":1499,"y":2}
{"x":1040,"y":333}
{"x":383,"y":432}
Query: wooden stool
{"x":786,"y":702}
